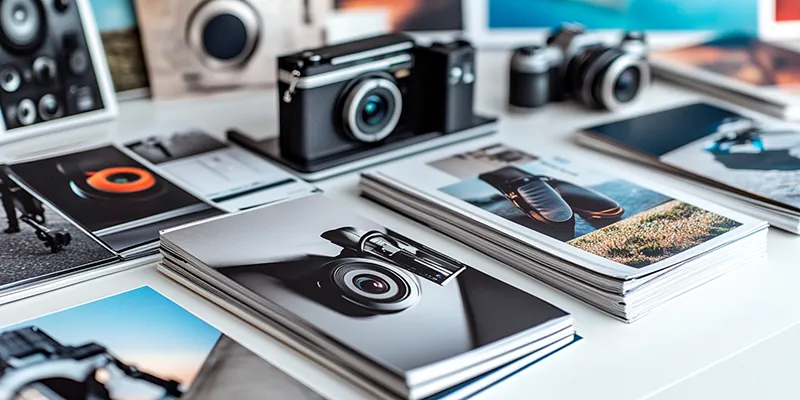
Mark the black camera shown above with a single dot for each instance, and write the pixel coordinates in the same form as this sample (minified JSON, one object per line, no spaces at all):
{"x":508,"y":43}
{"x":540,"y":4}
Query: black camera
{"x":579,"y":65}
{"x":33,"y":365}
{"x":46,"y":62}
{"x":345,"y":98}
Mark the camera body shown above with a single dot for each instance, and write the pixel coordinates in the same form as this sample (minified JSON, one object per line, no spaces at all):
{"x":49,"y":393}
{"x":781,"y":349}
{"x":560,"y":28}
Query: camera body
{"x":342,"y":99}
{"x":579,"y":65}
{"x":53,"y":70}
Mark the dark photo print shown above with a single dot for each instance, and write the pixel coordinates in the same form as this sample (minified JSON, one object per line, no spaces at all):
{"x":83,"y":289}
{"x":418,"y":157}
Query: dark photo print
{"x":603,"y":215}
{"x":112,"y":195}
{"x":37,"y":243}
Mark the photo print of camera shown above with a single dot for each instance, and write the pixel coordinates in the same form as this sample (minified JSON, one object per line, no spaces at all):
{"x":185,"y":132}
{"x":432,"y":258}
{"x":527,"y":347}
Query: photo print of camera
{"x":33,"y":365}
{"x":375,"y":273}
{"x":346,"y":103}
{"x":580,"y":65}
{"x":53,"y":71}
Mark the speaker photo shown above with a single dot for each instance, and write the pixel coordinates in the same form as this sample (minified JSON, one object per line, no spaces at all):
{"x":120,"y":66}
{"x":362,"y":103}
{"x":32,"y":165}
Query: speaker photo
{"x":53,"y":71}
{"x":201,"y":47}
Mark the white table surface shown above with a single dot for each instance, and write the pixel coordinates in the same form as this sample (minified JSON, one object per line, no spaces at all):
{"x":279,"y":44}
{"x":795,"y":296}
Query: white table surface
{"x":732,"y":338}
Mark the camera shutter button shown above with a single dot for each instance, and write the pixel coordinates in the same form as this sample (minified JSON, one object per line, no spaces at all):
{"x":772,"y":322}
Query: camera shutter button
{"x":455,"y":75}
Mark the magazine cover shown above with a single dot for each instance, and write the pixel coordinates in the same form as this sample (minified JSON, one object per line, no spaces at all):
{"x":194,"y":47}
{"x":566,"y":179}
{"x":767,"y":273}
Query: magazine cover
{"x":37,"y":243}
{"x":229,"y":176}
{"x":743,"y":152}
{"x":136,"y":345}
{"x":111,"y":195}
{"x":609,"y":223}
{"x":116,"y":20}
{"x":364,"y":286}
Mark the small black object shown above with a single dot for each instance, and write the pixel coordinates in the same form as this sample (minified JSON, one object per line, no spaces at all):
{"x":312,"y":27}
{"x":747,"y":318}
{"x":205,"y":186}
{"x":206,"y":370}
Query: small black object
{"x":575,"y":64}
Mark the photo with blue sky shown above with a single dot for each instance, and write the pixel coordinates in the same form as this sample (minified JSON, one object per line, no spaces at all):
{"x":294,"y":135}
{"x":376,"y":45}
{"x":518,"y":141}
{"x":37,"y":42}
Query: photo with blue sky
{"x":140,"y":327}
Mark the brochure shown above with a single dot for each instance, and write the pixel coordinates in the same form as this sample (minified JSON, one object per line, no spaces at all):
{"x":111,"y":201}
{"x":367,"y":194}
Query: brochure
{"x":229,"y":176}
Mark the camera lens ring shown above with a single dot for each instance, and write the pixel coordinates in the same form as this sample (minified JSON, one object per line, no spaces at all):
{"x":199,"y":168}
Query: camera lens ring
{"x":211,"y":11}
{"x":607,"y":96}
{"x":593,"y":67}
{"x":402,"y":293}
{"x":358,"y":94}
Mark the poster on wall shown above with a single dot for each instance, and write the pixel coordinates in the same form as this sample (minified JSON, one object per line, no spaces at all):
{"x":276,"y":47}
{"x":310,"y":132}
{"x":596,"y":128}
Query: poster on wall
{"x":509,"y":21}
{"x":779,"y":19}
{"x":116,"y":20}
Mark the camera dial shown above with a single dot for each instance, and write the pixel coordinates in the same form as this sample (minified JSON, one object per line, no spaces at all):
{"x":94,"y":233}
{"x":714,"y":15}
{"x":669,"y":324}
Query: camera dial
{"x":372,"y":109}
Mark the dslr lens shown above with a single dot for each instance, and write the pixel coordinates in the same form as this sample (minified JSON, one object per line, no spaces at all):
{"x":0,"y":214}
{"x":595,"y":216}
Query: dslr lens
{"x":627,"y":84}
{"x":374,"y":285}
{"x":374,"y":110}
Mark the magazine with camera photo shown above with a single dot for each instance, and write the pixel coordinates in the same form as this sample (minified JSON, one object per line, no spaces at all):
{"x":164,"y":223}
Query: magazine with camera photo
{"x":114,"y":197}
{"x":347,"y":283}
{"x":136,"y":345}
{"x":229,"y":176}
{"x":748,"y":156}
{"x":39,"y":245}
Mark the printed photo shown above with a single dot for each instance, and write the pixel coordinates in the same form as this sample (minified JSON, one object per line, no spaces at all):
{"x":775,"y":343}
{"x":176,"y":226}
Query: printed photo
{"x":116,"y":20}
{"x":111,"y":195}
{"x":364,"y":285}
{"x":743,"y":58}
{"x":603,"y":215}
{"x":755,"y":156}
{"x":137,"y":345}
{"x":37,"y":243}
{"x":669,"y":15}
{"x":413,"y":15}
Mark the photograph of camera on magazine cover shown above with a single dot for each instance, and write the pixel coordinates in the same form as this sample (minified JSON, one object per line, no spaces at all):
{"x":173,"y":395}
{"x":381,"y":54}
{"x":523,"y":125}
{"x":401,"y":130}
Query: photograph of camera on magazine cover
{"x":364,"y":285}
{"x":742,"y":151}
{"x":111,"y":195}
{"x":136,"y":345}
{"x":600,"y":214}
{"x":37,"y":243}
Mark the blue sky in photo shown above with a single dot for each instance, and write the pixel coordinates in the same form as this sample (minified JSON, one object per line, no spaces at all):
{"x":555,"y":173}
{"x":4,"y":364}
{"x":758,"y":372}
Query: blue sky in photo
{"x":718,"y":15}
{"x":114,"y":15}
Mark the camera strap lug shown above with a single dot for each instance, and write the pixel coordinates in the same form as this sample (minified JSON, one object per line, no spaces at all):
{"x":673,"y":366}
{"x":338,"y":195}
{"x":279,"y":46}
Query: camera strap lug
{"x":287,"y":95}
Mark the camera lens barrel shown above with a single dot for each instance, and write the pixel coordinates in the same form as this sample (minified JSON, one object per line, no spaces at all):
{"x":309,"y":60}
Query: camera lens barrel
{"x":529,"y":77}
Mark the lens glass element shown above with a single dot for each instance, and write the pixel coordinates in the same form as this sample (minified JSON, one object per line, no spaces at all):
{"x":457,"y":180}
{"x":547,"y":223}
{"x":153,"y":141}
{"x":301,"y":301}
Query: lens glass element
{"x":371,"y":284}
{"x":124,"y":177}
{"x":374,"y":110}
{"x":225,"y":37}
{"x":626,"y":86}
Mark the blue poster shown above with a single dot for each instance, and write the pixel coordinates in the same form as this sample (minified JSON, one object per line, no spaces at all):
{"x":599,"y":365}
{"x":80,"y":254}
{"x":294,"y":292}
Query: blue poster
{"x":716,"y":15}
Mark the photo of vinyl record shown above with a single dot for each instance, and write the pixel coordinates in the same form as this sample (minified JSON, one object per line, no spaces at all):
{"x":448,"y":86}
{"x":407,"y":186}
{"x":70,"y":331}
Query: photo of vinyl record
{"x":112,"y":195}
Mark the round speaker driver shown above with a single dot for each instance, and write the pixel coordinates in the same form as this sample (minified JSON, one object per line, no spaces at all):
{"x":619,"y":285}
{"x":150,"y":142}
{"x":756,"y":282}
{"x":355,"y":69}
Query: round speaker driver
{"x":22,"y":24}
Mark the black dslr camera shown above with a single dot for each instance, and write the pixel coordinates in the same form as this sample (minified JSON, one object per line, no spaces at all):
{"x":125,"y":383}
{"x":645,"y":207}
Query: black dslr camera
{"x":343,"y":99}
{"x":33,"y":365}
{"x":579,"y":65}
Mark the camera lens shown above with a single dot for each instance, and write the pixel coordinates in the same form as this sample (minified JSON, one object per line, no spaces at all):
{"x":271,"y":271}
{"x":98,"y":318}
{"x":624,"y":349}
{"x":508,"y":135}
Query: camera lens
{"x":626,"y":86}
{"x":125,"y":177}
{"x":374,"y":110}
{"x":223,"y":33}
{"x":374,"y":285}
{"x":371,"y":284}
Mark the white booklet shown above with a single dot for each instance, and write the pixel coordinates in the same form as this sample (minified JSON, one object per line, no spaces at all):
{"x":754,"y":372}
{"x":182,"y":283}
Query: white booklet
{"x":610,"y":224}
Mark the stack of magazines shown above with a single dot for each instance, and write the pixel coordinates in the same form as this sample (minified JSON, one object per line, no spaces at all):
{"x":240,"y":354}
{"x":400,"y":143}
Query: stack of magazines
{"x":622,"y":246}
{"x":751,"y":160}
{"x":389,"y":314}
{"x":744,"y":70}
